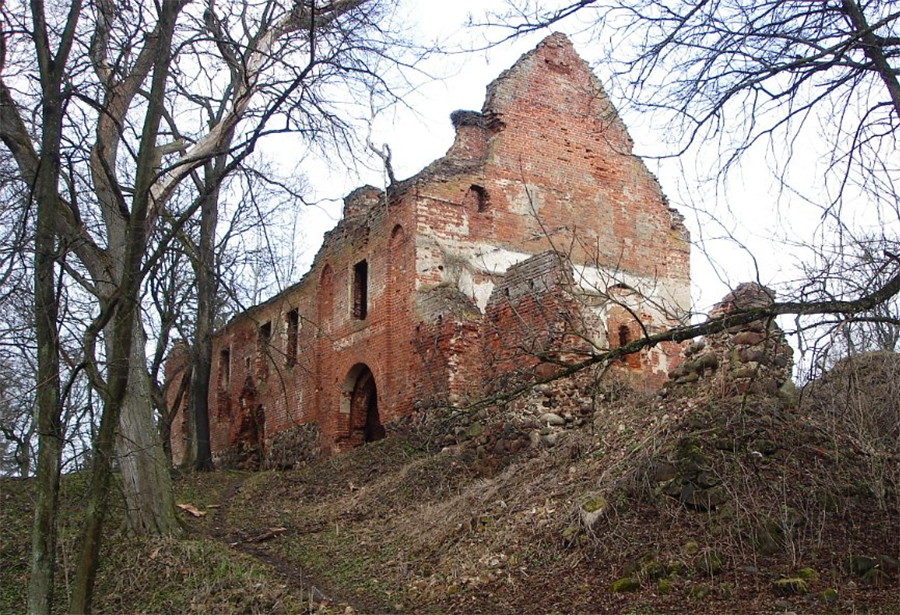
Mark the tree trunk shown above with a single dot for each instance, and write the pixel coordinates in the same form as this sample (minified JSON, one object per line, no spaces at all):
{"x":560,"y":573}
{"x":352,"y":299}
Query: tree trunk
{"x":190,"y":443}
{"x":206,"y":308}
{"x":126,"y":356}
{"x":24,"y":458}
{"x":43,"y":535}
{"x":165,"y":438}
{"x":48,"y":408}
{"x":46,"y":309}
{"x":199,"y":406}
{"x":146,"y":482}
{"x":95,"y":512}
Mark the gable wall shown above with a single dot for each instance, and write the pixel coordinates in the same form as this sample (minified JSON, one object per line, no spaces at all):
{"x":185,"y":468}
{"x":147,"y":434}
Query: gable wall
{"x":555,"y":164}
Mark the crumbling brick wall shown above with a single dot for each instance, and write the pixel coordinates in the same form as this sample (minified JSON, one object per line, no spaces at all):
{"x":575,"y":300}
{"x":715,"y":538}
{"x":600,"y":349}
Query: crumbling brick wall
{"x":533,"y":323}
{"x":539,"y":227}
{"x":547,"y":166}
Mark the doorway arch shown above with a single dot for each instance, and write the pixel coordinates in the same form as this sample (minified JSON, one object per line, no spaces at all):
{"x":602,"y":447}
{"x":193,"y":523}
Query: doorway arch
{"x":359,"y":400}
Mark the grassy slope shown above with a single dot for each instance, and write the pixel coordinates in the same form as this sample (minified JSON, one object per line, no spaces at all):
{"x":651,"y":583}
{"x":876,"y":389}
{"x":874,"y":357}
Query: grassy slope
{"x":195,"y":574}
{"x":389,"y":527}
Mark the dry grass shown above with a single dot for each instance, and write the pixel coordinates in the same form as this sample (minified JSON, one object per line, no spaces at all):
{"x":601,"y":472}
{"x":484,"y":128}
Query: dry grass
{"x":858,"y":403}
{"x":391,"y":527}
{"x":446,"y":532}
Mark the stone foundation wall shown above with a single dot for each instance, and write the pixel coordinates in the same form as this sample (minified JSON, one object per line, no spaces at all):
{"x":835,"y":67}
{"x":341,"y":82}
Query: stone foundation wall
{"x":293,"y":446}
{"x":752,"y":358}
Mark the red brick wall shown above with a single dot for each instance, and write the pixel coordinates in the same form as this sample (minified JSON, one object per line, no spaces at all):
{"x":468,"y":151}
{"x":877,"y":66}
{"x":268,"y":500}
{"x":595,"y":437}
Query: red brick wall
{"x":552,"y":164}
{"x":559,"y":174}
{"x":176,"y":366}
{"x":545,"y":169}
{"x":330,"y":341}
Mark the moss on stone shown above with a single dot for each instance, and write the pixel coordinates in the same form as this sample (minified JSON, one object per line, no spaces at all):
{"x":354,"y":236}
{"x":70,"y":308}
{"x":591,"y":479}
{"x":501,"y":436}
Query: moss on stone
{"x":594,"y":504}
{"x":791,"y":586}
{"x":807,"y":574}
{"x":829,"y":596}
{"x":625,"y":584}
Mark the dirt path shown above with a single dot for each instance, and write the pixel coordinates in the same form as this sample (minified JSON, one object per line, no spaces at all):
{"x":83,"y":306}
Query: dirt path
{"x":293,"y":575}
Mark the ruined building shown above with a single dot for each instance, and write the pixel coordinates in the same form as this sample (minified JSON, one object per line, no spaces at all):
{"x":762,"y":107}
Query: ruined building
{"x":537,"y":238}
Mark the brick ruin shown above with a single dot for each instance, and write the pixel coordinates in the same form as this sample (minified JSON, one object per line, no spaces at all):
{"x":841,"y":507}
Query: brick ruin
{"x":752,"y":358}
{"x":537,"y":238}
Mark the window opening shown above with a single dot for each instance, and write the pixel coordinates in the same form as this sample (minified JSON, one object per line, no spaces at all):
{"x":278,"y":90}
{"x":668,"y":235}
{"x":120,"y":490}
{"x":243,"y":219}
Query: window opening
{"x":224,"y":367}
{"x":262,"y":350}
{"x":476,"y":199}
{"x":633,"y":359}
{"x":624,"y":335}
{"x":360,"y":290}
{"x":293,"y":330}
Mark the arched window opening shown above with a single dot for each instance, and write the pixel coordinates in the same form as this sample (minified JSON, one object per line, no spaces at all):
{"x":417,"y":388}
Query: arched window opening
{"x":476,"y":199}
{"x":360,"y":401}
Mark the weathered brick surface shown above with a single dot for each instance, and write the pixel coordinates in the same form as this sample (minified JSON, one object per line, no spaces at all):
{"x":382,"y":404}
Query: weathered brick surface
{"x":538,"y":237}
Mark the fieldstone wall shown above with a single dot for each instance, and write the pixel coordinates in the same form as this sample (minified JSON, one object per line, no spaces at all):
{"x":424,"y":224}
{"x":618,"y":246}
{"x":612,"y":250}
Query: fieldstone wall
{"x":536,"y":420}
{"x":750,"y":358}
{"x":239,"y":456}
{"x":293,"y":446}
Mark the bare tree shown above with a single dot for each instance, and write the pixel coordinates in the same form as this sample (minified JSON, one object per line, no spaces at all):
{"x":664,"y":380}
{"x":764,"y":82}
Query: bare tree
{"x":857,"y":269}
{"x":44,"y":179}
{"x":116,"y":81}
{"x":17,"y":348}
{"x":17,"y":427}
{"x":749,"y":70}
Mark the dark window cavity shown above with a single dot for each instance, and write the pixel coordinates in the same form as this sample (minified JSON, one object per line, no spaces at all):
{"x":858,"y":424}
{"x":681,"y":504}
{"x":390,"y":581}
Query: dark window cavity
{"x":293,"y":329}
{"x":360,"y":290}
{"x":624,"y":335}
{"x":476,"y":199}
{"x":224,"y":367}
{"x":262,"y":350}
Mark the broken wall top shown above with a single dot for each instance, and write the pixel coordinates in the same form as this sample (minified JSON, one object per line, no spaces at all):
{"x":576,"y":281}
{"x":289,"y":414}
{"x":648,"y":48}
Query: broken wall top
{"x":553,"y":75}
{"x":554,"y":162}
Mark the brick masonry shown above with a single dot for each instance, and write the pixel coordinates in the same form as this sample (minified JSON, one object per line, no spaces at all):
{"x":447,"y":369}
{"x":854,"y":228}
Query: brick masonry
{"x":537,"y":238}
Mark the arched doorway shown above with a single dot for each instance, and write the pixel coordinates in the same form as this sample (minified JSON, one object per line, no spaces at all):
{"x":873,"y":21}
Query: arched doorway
{"x":360,"y":401}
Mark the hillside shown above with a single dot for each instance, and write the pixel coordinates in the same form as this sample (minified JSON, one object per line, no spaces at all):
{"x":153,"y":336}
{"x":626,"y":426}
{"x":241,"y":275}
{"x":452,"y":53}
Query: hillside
{"x":639,"y":503}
